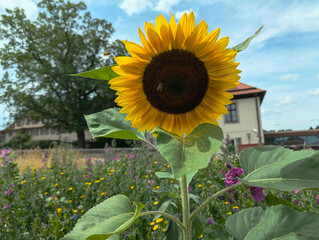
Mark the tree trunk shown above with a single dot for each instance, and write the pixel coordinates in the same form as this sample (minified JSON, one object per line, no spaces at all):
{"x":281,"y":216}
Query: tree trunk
{"x":81,"y":138}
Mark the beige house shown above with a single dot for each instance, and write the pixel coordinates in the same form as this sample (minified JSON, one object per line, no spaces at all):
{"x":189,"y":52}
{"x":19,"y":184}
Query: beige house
{"x":243,"y":124}
{"x":37,"y":131}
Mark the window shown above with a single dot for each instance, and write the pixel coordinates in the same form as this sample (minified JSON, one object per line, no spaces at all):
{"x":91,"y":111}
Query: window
{"x":35,"y":122}
{"x":54,"y":131}
{"x":20,"y":123}
{"x":232,"y":115}
{"x":35,"y":132}
{"x":44,"y":131}
{"x":238,"y":141}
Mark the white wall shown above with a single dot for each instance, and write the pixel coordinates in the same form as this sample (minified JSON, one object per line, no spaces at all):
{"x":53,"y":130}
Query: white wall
{"x":247,"y":121}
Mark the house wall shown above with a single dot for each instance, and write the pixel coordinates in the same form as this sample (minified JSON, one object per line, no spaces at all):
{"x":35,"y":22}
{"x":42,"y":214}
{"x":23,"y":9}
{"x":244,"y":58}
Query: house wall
{"x":247,"y":122}
{"x":38,"y":132}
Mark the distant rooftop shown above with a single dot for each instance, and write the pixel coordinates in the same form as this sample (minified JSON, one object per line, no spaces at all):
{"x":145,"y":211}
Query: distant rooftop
{"x":244,"y":90}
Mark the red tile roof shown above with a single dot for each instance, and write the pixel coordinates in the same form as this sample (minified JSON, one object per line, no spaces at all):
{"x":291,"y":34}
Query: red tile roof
{"x":245,"y":90}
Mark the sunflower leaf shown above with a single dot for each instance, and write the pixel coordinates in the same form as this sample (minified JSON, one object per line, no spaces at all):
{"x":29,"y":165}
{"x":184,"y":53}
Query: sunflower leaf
{"x":111,"y":123}
{"x":277,"y":222}
{"x":108,"y":218}
{"x":167,"y":175}
{"x":242,"y":46}
{"x":189,"y":154}
{"x":103,"y":73}
{"x":280,"y":168}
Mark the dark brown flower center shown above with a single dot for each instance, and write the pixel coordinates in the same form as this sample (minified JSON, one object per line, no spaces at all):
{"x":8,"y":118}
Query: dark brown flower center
{"x":175,"y":81}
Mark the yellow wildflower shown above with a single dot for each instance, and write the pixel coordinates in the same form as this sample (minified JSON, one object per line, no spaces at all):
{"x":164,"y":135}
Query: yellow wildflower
{"x":159,"y":220}
{"x":155,"y":227}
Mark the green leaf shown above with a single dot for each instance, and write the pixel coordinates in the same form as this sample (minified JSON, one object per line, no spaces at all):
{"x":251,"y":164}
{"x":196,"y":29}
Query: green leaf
{"x":110,"y":217}
{"x":163,"y":205}
{"x":173,"y":231}
{"x":242,"y":46}
{"x":103,"y":73}
{"x":111,"y":123}
{"x":187,"y":155}
{"x":277,"y":222}
{"x":197,"y":228}
{"x":272,"y":200}
{"x":280,"y":168}
{"x":167,"y":175}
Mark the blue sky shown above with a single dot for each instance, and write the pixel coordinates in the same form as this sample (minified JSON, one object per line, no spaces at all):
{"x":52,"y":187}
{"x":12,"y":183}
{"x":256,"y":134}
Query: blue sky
{"x":283,"y":59}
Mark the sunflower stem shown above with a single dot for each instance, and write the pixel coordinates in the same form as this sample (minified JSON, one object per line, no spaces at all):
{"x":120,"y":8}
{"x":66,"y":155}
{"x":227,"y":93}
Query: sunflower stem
{"x":187,"y":231}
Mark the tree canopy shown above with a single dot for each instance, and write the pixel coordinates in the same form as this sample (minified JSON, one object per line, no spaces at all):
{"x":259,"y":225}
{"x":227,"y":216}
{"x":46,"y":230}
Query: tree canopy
{"x":39,"y":55}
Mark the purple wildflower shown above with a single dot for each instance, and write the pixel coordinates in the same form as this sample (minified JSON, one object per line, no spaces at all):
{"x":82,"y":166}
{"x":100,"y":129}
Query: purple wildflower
{"x":221,"y":197}
{"x":0,"y":220}
{"x":5,"y":206}
{"x":236,"y":196}
{"x":4,"y":152}
{"x":296,"y":200}
{"x":232,"y":176}
{"x":9,"y":191}
{"x":228,"y":166}
{"x":210,"y":221}
{"x":297,"y":191}
{"x":257,"y":193}
{"x":132,"y":156}
{"x":189,"y":189}
{"x":75,"y":216}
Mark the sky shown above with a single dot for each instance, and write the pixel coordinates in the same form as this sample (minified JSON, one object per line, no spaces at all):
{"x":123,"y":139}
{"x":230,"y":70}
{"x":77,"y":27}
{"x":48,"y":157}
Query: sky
{"x":283,"y":59}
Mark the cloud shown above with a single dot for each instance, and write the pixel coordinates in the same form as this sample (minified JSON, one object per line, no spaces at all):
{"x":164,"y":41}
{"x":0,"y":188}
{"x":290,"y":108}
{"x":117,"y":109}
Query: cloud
{"x":286,"y":101}
{"x":135,"y":6}
{"x":314,"y":92}
{"x":165,"y":5}
{"x":273,"y":124}
{"x":179,"y":14}
{"x":289,"y":77}
{"x":139,"y":6}
{"x":270,"y":111}
{"x":30,"y":7}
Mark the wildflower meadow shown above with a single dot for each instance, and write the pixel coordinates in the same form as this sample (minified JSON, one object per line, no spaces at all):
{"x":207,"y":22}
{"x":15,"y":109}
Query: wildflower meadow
{"x":46,"y":203}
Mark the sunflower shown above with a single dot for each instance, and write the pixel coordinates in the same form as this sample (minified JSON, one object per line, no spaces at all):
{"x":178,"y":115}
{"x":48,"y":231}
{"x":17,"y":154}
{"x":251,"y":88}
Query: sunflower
{"x":176,"y":80}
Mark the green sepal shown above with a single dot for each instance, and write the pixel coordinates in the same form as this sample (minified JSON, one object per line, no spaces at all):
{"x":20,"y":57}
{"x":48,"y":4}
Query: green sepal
{"x":280,"y":168}
{"x":189,"y":154}
{"x":103,"y":73}
{"x":111,"y":123}
{"x":277,"y":222}
{"x":110,"y":217}
{"x":242,"y":46}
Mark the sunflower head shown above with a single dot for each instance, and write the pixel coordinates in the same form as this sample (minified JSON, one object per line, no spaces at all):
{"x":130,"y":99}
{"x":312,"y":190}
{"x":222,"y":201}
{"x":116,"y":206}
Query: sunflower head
{"x":177,"y":77}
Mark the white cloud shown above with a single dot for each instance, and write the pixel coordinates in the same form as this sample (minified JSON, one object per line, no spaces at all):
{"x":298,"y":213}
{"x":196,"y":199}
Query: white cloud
{"x":139,"y":6}
{"x":30,"y":7}
{"x":179,"y":14}
{"x":286,"y":101}
{"x":273,"y":124}
{"x":270,"y":111}
{"x":165,"y":5}
{"x":289,"y":77}
{"x":135,"y":6}
{"x":314,"y":92}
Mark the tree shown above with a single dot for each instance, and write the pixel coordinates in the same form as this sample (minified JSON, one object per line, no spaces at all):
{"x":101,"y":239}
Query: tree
{"x":39,"y":56}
